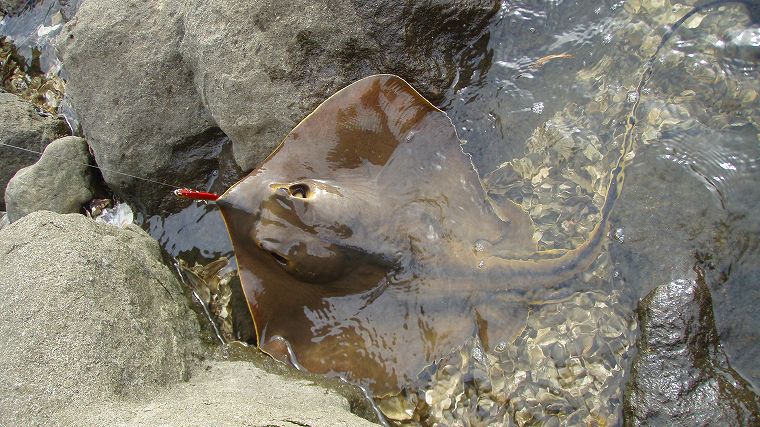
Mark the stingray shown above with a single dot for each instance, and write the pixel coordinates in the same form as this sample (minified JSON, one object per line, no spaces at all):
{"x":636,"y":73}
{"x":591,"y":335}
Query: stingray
{"x":368,"y":248}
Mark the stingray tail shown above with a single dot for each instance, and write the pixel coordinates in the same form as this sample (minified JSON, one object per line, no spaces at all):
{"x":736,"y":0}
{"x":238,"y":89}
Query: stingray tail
{"x":534,"y":275}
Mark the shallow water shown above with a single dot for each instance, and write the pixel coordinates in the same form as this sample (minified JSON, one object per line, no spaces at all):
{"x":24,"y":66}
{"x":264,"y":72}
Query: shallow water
{"x":549,"y":93}
{"x":35,"y":28}
{"x":690,"y":194}
{"x":691,"y":184}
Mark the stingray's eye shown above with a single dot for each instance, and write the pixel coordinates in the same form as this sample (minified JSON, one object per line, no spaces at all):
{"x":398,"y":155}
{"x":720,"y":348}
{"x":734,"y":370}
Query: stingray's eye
{"x":299,"y":190}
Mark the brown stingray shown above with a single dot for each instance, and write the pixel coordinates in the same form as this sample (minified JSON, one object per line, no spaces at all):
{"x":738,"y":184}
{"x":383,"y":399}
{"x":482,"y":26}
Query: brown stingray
{"x":367,"y":246}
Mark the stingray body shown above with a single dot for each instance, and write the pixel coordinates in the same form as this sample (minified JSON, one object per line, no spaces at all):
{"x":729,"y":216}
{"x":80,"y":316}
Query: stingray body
{"x":368,"y":248}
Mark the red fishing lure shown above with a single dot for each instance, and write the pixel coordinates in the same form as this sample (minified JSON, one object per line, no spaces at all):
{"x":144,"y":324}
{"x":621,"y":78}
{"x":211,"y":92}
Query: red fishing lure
{"x":195,"y":194}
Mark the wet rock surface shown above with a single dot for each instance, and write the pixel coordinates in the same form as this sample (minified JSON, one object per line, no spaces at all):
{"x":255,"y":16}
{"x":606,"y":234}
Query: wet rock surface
{"x":88,"y":313}
{"x":669,"y":217}
{"x":22,"y":126}
{"x":680,"y":375}
{"x":645,"y":252}
{"x":60,"y":181}
{"x":253,"y":70}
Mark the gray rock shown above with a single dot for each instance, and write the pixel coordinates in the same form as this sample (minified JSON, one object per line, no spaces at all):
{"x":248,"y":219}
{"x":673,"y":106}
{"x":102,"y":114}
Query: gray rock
{"x":60,"y":181}
{"x":667,"y":214}
{"x":88,"y":313}
{"x":429,"y":42}
{"x":22,"y":126}
{"x":228,"y":394}
{"x":169,"y":72}
{"x":262,"y":66}
{"x":281,"y":59}
{"x":135,"y":98}
{"x":681,"y":376}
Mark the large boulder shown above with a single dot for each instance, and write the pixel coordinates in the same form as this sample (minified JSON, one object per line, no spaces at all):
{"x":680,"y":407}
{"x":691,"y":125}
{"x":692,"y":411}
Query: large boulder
{"x":168,"y":73}
{"x":680,"y":376}
{"x":134,"y":97}
{"x":22,"y":126}
{"x":88,"y":313}
{"x":262,"y":66}
{"x":60,"y":181}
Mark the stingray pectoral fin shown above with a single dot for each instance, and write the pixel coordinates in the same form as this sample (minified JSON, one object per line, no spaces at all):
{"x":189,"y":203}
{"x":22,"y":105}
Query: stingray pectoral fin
{"x":519,"y":225}
{"x":280,"y":349}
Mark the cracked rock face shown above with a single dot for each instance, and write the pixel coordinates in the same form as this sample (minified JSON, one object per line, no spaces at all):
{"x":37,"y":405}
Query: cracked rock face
{"x":174,"y":77}
{"x":681,"y":376}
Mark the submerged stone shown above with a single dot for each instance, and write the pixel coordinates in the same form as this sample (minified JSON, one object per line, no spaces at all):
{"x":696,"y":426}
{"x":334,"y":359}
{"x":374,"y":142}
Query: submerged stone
{"x":681,"y":376}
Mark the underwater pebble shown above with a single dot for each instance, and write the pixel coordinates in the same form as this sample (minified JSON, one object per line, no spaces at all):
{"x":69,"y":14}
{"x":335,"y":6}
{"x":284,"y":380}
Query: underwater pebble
{"x":534,"y":379}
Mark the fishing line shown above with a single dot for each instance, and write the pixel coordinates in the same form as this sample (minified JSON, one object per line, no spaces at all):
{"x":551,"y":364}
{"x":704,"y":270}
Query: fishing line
{"x":91,"y":166}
